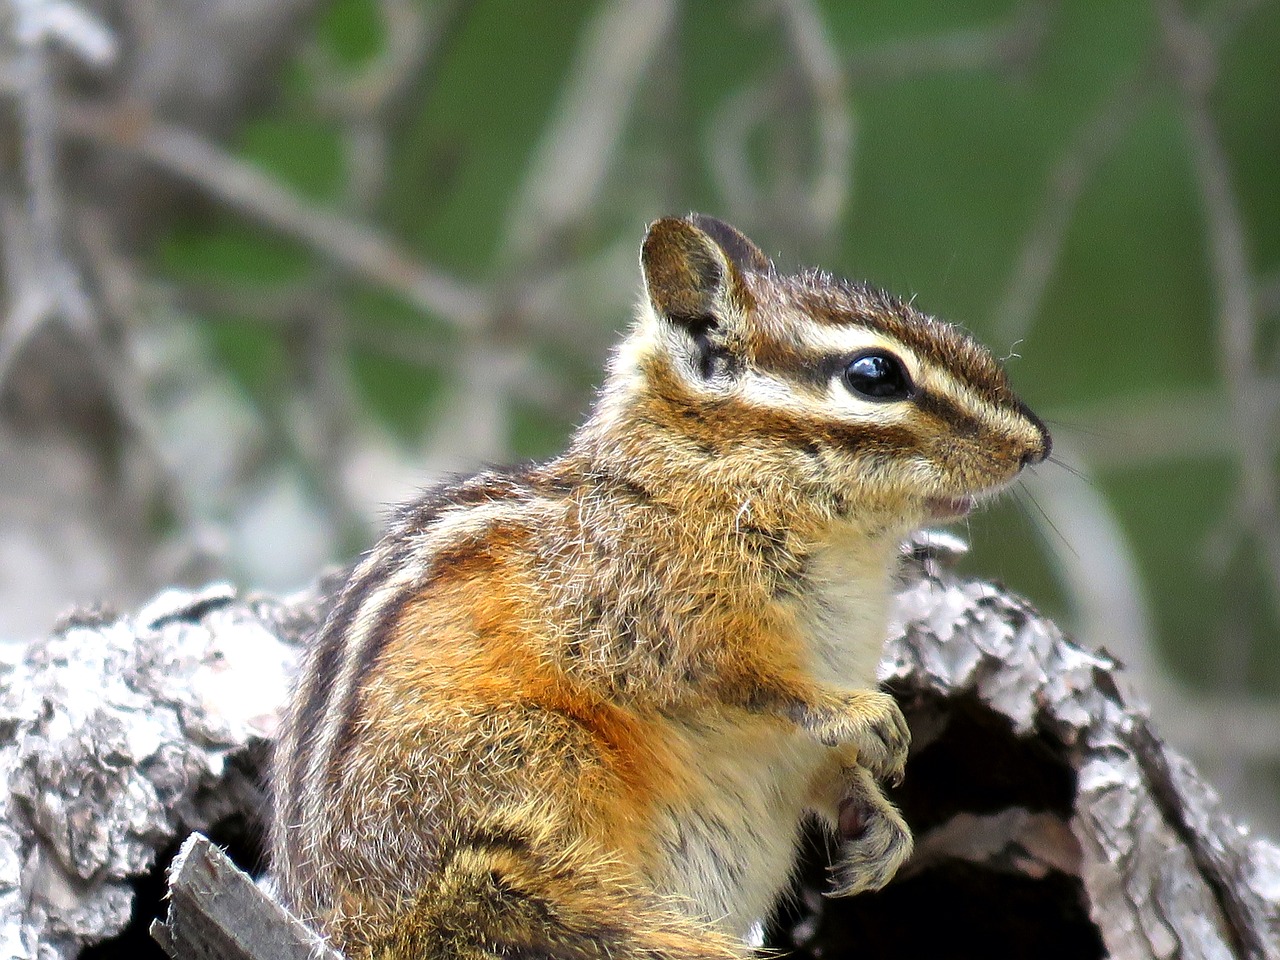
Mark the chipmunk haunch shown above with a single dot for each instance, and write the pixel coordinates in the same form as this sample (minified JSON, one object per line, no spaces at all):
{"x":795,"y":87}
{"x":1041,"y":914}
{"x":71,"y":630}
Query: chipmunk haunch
{"x":581,"y":709}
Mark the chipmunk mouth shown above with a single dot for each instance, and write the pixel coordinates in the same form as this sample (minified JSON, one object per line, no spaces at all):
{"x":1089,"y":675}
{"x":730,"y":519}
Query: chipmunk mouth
{"x":943,"y":509}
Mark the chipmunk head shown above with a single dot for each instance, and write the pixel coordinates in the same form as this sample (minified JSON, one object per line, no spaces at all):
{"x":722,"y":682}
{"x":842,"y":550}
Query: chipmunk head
{"x":809,"y":389}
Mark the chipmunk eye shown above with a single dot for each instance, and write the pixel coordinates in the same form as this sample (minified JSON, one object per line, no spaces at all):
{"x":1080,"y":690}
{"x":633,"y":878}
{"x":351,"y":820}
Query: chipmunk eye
{"x":877,"y":375}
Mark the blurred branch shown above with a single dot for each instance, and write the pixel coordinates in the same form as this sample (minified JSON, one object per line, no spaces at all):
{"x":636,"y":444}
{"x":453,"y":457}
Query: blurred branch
{"x":321,"y":429}
{"x":1096,"y":563}
{"x":824,"y":202}
{"x":350,"y":244}
{"x":1268,"y":298}
{"x":284,"y":309}
{"x":727,"y":153}
{"x":1192,"y":54}
{"x":415,"y":40}
{"x":568,"y":171}
{"x":1161,"y":427}
{"x":42,"y":283}
{"x":1105,"y":584}
{"x":1009,"y":45}
{"x":409,"y":36}
{"x":1089,"y":145}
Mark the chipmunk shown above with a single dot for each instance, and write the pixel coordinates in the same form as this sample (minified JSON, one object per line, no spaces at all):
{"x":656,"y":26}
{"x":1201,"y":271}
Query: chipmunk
{"x":580,"y":710}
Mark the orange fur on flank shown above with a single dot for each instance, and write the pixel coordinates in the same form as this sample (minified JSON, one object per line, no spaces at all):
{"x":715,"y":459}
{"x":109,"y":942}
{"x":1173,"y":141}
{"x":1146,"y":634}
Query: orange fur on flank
{"x":581,"y":710}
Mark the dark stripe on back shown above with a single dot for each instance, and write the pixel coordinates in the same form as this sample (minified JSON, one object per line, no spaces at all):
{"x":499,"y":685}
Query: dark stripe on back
{"x":460,"y":491}
{"x":311,"y":698}
{"x":349,"y":710}
{"x":448,"y":560}
{"x":482,"y":836}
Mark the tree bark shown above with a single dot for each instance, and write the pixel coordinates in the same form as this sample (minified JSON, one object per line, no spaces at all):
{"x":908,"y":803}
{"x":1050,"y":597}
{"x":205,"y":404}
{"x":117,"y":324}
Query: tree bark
{"x":1051,"y":820}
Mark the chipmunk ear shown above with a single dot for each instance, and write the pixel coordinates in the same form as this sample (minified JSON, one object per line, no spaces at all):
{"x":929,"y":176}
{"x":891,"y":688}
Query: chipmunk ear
{"x":693,"y":269}
{"x":735,"y":245}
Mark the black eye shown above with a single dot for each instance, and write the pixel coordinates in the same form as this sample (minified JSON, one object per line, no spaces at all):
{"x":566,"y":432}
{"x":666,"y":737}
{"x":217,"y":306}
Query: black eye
{"x":877,"y":375}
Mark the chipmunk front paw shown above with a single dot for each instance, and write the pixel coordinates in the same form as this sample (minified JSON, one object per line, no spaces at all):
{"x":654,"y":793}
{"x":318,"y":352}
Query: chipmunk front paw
{"x":876,"y":841}
{"x":872,"y":723}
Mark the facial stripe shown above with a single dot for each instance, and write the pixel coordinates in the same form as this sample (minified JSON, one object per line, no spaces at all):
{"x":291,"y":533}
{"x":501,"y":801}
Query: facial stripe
{"x":723,"y":420}
{"x":800,"y":373}
{"x":947,"y":411}
{"x":818,"y":401}
{"x":835,"y":305}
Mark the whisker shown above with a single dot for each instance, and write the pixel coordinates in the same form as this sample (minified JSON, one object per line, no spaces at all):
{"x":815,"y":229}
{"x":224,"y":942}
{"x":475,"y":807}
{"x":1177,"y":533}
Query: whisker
{"x":1052,"y":526}
{"x":1074,"y":471}
{"x":1015,"y":494}
{"x":1069,"y":427}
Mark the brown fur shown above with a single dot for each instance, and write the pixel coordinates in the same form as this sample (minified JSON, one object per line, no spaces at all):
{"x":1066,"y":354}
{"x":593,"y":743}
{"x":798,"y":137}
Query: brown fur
{"x":581,"y":710}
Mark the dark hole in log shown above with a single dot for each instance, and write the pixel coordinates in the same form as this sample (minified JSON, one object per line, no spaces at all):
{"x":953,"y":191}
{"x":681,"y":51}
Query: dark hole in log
{"x":134,"y":941}
{"x":951,"y":909}
{"x":240,"y":836}
{"x":977,"y":764}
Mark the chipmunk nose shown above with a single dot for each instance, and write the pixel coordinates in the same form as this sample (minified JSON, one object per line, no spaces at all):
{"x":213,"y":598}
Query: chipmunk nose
{"x":1038,"y":453}
{"x":1040,"y":449}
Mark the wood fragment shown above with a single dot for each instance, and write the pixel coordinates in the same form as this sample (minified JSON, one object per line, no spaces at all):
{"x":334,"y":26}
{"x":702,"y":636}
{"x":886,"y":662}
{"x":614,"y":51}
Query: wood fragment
{"x":217,"y":911}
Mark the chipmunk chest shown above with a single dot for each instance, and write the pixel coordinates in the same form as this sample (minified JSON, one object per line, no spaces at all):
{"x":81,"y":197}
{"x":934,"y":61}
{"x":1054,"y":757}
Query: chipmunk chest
{"x":843,"y":613}
{"x":724,"y":836}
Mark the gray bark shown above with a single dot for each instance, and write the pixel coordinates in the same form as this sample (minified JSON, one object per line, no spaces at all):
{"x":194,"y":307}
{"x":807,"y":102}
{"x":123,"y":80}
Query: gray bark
{"x":124,"y":734}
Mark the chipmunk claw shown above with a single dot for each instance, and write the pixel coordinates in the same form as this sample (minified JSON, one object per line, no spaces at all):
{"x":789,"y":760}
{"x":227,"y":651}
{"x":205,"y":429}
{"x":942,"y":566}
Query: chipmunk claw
{"x":869,"y":721}
{"x":886,"y":738}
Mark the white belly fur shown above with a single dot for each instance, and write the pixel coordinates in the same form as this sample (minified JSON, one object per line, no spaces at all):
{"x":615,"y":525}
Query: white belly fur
{"x":732,"y":845}
{"x":846,"y":612}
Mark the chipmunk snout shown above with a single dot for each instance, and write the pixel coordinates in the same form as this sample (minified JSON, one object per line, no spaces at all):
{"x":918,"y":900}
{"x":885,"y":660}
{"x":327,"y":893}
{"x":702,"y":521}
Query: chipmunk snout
{"x":1038,"y":452}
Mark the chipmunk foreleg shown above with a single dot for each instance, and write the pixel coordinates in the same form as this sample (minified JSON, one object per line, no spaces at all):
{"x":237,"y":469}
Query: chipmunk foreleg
{"x":870,"y":722}
{"x":875,"y":840}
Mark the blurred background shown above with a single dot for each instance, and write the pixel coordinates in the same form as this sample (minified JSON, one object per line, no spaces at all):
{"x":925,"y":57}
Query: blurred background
{"x":269,"y":267}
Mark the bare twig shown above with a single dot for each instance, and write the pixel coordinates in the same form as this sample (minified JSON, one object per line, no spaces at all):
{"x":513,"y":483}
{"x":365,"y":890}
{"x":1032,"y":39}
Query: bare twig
{"x":1012,"y":44}
{"x":353,"y":245}
{"x":1092,"y":141}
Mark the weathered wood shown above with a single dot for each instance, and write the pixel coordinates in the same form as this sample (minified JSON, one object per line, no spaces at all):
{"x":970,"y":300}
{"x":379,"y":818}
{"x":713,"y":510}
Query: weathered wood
{"x":217,"y":912}
{"x":1032,"y":777}
{"x":1165,"y":871}
{"x":121,"y":735}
